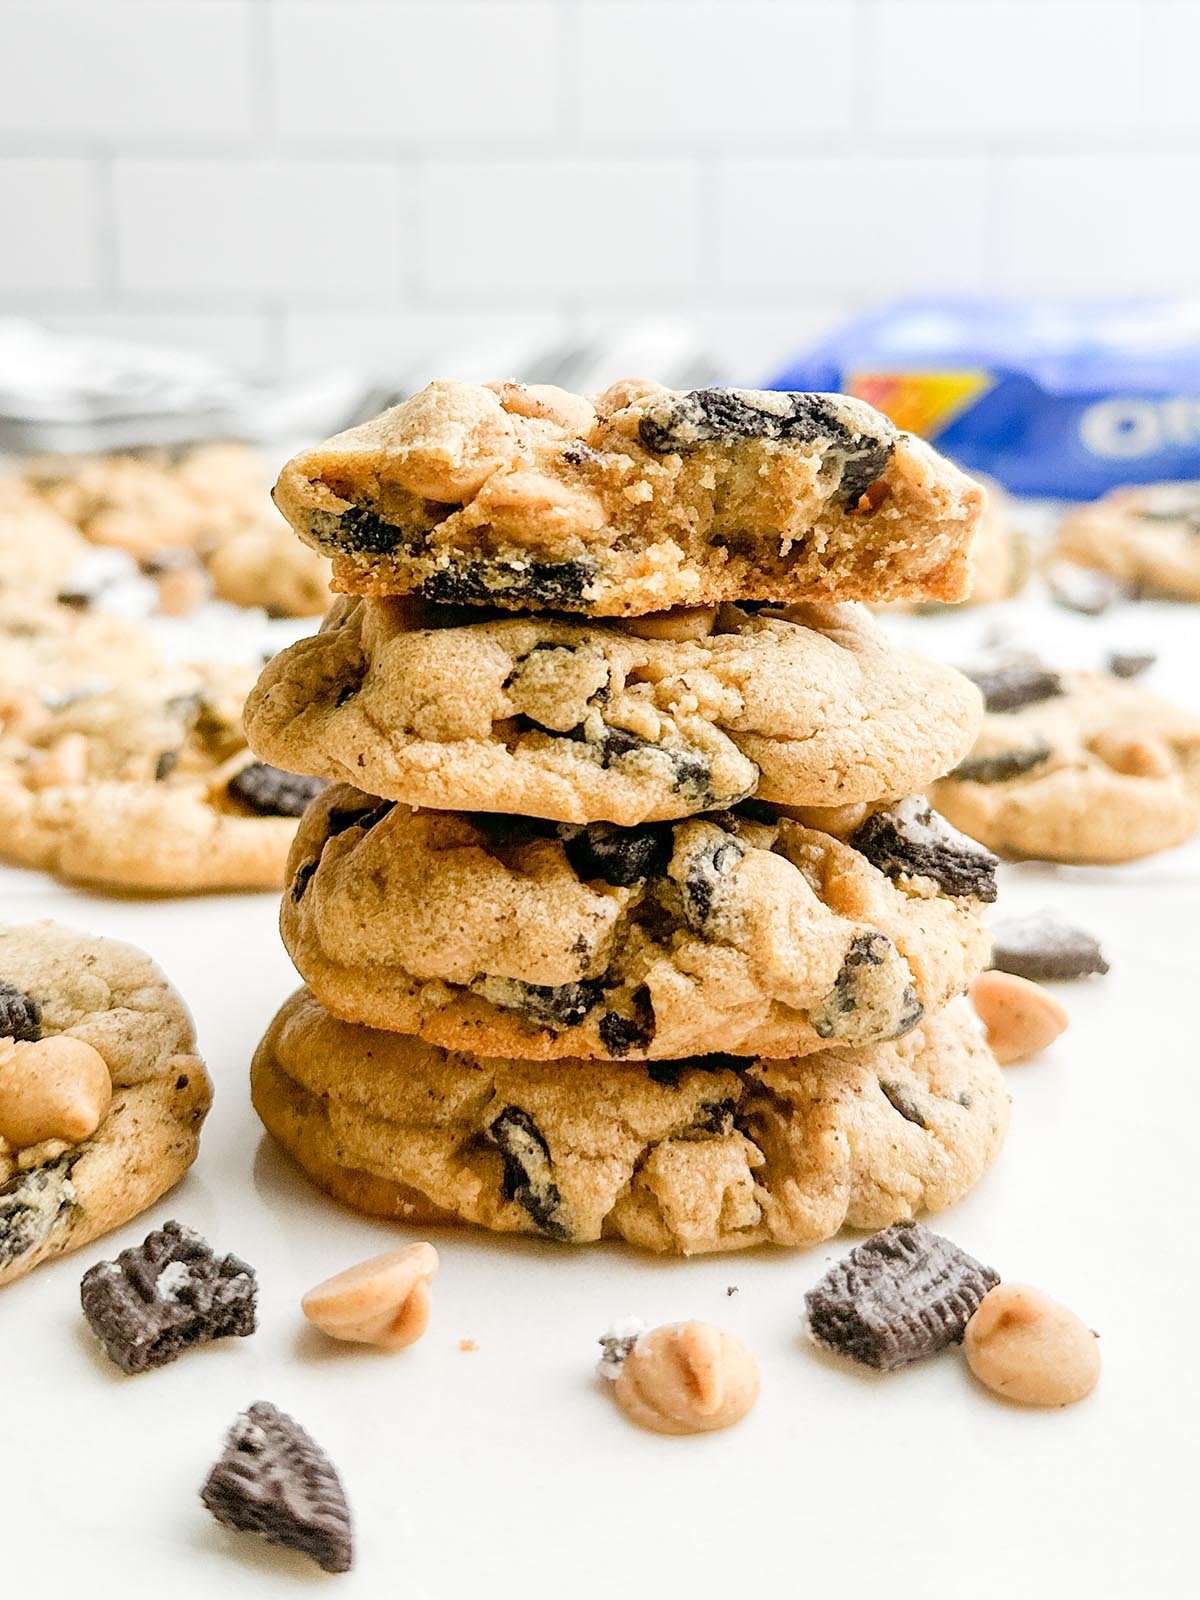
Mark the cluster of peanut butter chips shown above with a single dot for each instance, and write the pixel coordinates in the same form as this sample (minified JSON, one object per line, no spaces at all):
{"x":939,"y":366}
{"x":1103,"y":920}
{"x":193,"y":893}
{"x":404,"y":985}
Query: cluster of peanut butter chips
{"x":623,"y":911}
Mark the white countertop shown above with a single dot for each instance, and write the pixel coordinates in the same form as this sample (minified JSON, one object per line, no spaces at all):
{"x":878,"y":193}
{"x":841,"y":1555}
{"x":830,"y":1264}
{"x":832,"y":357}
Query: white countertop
{"x":506,"y":1473}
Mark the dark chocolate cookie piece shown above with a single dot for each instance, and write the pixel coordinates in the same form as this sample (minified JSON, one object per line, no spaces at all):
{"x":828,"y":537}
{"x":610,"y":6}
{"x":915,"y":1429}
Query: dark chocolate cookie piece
{"x":678,"y":423}
{"x":705,"y":876}
{"x":867,"y":952}
{"x":1044,"y":949}
{"x":557,"y":1006}
{"x":1130,"y":663}
{"x":911,"y":838}
{"x":20,"y":1014}
{"x":629,"y":1032}
{"x":1013,"y":684}
{"x":31,"y":1203}
{"x":171,"y":1291}
{"x":528,"y":1170}
{"x":274,"y":1480}
{"x":270,"y":792}
{"x":364,"y":532}
{"x":901,"y":1296}
{"x":1002,"y":765}
{"x":556,"y":585}
{"x":617,"y":856}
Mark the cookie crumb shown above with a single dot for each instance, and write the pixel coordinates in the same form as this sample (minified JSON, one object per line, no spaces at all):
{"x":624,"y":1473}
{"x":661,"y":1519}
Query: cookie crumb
{"x":467,"y":1346}
{"x":616,"y":1344}
{"x":732,"y":1289}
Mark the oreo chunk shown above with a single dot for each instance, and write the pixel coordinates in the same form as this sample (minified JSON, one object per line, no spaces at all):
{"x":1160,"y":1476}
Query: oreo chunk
{"x":165,"y":1294}
{"x":365,"y":532}
{"x":270,"y":792}
{"x":274,"y":1480}
{"x":675,"y":424}
{"x":556,"y":585}
{"x":1002,"y":765}
{"x":305,"y":873}
{"x":20,"y":1014}
{"x":899,"y":1098}
{"x":31,"y":1203}
{"x":341,"y":820}
{"x":1042,"y":948}
{"x":1015,"y":684}
{"x":911,"y":838}
{"x":715,"y":1119}
{"x":1130,"y":664}
{"x":670,"y":1072}
{"x":558,"y":1006}
{"x":704,"y":878}
{"x":528,"y":1170}
{"x":617,"y":856}
{"x":628,"y":1035}
{"x":902,"y":1296}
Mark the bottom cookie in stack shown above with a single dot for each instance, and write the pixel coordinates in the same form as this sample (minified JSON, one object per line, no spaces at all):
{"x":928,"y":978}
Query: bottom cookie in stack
{"x":708,"y":1153}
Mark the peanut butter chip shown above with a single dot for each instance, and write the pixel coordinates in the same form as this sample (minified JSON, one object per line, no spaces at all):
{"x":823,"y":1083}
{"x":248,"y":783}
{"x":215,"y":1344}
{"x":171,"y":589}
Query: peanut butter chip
{"x":1028,"y":1348}
{"x":1019,"y":1017}
{"x":680,"y":623}
{"x":687,"y":1377}
{"x":384,"y":1301}
{"x":53,"y":1088}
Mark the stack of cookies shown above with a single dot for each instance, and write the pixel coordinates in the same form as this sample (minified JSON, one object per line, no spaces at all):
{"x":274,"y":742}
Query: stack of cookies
{"x":623,"y":913}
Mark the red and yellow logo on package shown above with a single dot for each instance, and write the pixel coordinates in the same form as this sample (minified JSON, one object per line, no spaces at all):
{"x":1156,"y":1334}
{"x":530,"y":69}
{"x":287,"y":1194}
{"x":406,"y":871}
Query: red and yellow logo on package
{"x":925,"y":403}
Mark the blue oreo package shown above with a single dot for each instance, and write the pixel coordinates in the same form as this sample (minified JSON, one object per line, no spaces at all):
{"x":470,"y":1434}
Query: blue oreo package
{"x":1064,"y":401}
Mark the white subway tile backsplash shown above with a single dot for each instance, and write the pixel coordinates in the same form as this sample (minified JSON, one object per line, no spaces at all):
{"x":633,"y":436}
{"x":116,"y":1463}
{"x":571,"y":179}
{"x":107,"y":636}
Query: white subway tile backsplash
{"x":412,"y":347}
{"x":960,"y":68}
{"x":111,"y":69}
{"x":387,"y":182}
{"x":1172,"y":54}
{"x":716,"y":75}
{"x":51,"y":232}
{"x":850,"y":224}
{"x":1085,"y":224}
{"x":260,"y":228}
{"x":555,"y":230}
{"x":428,"y":72}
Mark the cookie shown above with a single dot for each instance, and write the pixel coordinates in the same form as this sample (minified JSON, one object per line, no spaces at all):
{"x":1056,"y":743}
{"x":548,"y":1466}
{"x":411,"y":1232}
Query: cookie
{"x":1147,"y":536}
{"x":590,"y":722}
{"x":57,"y":1195}
{"x":715,"y":1153}
{"x":1002,"y":556}
{"x":39,"y":551}
{"x":209,"y":502}
{"x":1085,"y":768}
{"x":148,"y":786}
{"x":266,"y":565}
{"x":49,"y":652}
{"x":754,"y":935}
{"x":634,"y":501}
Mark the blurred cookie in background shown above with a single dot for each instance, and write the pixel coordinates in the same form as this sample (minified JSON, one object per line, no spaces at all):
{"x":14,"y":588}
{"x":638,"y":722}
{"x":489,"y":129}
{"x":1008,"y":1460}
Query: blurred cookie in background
{"x":1146,"y":536}
{"x":1075,"y":766}
{"x":148,"y":786}
{"x":196,"y":522}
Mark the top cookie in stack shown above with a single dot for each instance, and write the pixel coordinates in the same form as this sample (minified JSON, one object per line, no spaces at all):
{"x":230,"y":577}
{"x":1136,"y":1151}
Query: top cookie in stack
{"x":642,"y":499}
